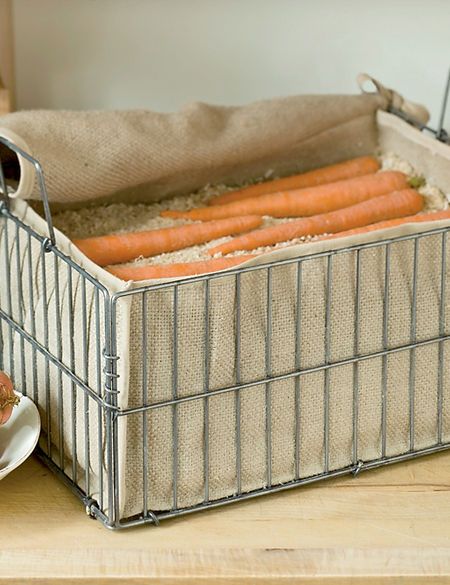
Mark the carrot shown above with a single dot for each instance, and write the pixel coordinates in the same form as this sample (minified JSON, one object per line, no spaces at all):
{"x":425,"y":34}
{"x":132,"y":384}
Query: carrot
{"x":174,"y":270}
{"x":119,"y":248}
{"x":355,"y":167}
{"x":432,"y":216}
{"x":303,"y":202}
{"x":396,"y":204}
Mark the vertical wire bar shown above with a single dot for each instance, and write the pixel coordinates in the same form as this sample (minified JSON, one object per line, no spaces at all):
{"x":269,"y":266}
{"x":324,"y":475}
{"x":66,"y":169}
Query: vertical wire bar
{"x":145,"y":413}
{"x":98,"y":345}
{"x":206,"y":401}
{"x":59,"y":356}
{"x":326,"y":395}
{"x":298,"y":332}
{"x":46,"y":339}
{"x":114,"y":435}
{"x":268,"y":392}
{"x":238,"y":381}
{"x":5,"y":219}
{"x":20,"y":315}
{"x":175,"y":396}
{"x":2,"y":346}
{"x":85,"y":353}
{"x":356,"y":363}
{"x":440,"y":404}
{"x":73,"y":390}
{"x":412,"y":355}
{"x":5,"y":202}
{"x":32,"y":318}
{"x":8,"y":298}
{"x":7,"y":276}
{"x":385,"y":335}
{"x":109,"y":362}
{"x":100,"y":392}
{"x":440,"y":128}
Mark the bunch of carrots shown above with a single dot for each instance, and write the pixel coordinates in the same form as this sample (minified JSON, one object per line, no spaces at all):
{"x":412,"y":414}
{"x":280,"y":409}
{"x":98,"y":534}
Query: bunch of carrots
{"x":338,"y":200}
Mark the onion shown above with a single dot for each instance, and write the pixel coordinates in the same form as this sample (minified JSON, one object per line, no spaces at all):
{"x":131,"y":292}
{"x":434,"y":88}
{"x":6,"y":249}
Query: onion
{"x":7,"y":398}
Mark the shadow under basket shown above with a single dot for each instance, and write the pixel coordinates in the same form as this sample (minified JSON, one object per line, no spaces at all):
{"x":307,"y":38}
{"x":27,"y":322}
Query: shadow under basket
{"x":169,"y":397}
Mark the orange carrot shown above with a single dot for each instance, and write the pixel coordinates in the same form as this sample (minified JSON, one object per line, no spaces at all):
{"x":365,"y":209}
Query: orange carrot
{"x":174,"y":270}
{"x":355,"y":167}
{"x":119,"y":248}
{"x":303,"y":202}
{"x":421,"y":217}
{"x":396,"y":204}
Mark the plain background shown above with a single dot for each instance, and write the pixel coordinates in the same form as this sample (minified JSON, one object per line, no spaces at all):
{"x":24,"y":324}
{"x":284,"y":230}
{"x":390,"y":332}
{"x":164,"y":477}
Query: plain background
{"x":160,"y":54}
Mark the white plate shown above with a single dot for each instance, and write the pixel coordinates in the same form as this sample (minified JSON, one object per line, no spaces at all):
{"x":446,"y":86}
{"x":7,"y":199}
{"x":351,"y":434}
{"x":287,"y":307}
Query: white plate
{"x":18,"y":437}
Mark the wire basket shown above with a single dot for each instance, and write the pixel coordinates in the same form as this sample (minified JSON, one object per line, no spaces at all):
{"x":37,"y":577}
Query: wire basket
{"x":239,"y":383}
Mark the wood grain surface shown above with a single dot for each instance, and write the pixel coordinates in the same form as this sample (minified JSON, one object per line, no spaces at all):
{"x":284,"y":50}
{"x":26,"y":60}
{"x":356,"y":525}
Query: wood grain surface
{"x":390,"y":525}
{"x":7,"y":78}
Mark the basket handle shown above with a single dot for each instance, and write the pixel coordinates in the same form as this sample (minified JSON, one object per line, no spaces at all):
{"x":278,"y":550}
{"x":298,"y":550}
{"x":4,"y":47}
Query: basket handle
{"x":40,"y":179}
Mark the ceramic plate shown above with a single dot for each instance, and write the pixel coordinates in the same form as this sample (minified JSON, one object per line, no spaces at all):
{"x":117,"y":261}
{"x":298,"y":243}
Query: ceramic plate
{"x":18,"y":437}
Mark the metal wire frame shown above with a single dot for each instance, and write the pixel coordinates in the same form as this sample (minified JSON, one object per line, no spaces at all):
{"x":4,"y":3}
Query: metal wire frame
{"x":439,"y":133}
{"x":100,"y":392}
{"x":106,"y":399}
{"x":95,"y":392}
{"x":266,"y":382}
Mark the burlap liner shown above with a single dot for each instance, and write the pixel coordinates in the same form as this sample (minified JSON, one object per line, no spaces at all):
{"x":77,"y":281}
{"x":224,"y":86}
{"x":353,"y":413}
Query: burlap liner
{"x":142,"y":155}
{"x":288,"y":324}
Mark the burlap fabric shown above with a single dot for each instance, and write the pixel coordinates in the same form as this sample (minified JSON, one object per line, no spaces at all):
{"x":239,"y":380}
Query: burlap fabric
{"x":143,"y":155}
{"x":287,"y":318}
{"x":297,"y":323}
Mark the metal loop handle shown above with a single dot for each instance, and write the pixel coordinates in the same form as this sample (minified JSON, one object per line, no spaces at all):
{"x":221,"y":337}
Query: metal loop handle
{"x":439,"y":133}
{"x":41,"y":184}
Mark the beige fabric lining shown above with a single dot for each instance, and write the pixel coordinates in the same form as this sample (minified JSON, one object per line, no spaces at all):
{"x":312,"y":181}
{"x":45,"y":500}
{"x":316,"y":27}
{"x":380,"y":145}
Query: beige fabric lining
{"x":254,"y":363}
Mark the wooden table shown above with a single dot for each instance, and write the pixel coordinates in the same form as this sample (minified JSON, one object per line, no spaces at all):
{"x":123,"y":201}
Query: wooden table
{"x":391,"y":525}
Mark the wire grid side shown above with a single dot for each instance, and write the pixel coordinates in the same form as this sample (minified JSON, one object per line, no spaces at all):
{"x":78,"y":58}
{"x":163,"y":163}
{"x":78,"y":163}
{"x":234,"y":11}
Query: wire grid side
{"x":222,"y":409}
{"x":54,"y":336}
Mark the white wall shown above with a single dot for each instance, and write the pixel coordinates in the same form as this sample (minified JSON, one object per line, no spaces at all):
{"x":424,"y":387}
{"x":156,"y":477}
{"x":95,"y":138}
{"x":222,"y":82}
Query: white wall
{"x":160,"y":54}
